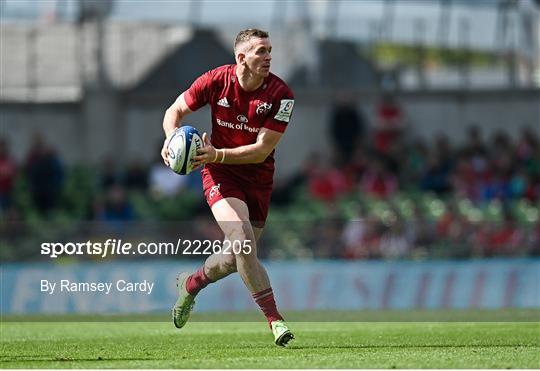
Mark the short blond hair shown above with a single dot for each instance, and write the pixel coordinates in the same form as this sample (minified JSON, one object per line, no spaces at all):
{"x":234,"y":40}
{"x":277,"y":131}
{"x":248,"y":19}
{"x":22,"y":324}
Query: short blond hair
{"x":248,"y":34}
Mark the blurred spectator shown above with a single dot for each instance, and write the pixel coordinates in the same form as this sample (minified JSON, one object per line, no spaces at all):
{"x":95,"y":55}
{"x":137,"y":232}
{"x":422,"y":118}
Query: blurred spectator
{"x":436,"y":176}
{"x":45,"y":174}
{"x":136,"y":176}
{"x":415,"y":163}
{"x":500,"y":240}
{"x":453,"y":231}
{"x":496,"y":187}
{"x":519,"y":183}
{"x":534,"y":240}
{"x":532,"y":193}
{"x":347,"y":126}
{"x":420,"y":232}
{"x":463,"y":179}
{"x":389,"y":125}
{"x":12,"y":230}
{"x":109,"y":174}
{"x":8,"y":172}
{"x":284,"y":190}
{"x":354,"y":234}
{"x":528,"y":144}
{"x":528,"y":151}
{"x":501,"y":142}
{"x":443,"y":149}
{"x":356,"y":167}
{"x":321,"y":185}
{"x":327,"y":243}
{"x":362,"y":239}
{"x":474,"y":144}
{"x":377,"y":181}
{"x":116,"y":206}
{"x":394,"y":243}
{"x":325,"y":182}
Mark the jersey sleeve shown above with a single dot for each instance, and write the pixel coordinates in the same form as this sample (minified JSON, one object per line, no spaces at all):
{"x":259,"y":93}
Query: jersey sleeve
{"x":198,"y":93}
{"x":281,"y":111}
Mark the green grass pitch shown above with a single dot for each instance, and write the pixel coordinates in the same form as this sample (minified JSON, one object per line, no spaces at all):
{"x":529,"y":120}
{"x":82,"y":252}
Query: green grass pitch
{"x":80,"y":342}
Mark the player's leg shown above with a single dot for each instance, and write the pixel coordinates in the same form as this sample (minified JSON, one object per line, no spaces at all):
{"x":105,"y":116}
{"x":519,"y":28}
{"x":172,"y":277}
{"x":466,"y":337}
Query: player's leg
{"x":282,"y":334}
{"x":220,"y":265}
{"x":216,"y":267}
{"x":232,"y":215}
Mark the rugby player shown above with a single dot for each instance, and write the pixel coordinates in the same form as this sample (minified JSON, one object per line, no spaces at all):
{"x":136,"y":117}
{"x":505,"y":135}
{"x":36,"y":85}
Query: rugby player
{"x":250,"y":110}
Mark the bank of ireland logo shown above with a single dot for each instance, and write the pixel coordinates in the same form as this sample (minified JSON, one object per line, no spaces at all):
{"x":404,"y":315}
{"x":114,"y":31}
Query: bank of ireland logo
{"x":263,"y":108}
{"x":214,"y":191}
{"x":242,"y":118}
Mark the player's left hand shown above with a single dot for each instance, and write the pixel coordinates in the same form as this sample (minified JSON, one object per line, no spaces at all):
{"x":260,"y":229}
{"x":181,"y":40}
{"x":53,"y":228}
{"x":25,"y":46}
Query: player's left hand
{"x":206,"y":154}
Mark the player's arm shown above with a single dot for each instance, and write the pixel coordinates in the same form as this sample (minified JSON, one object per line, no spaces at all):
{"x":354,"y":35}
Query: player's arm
{"x":172,"y":120}
{"x":254,"y":153}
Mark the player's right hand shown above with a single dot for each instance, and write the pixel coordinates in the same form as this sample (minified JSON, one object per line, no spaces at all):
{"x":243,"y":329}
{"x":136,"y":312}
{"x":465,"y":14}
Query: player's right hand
{"x":164,"y":153}
{"x":165,"y":150}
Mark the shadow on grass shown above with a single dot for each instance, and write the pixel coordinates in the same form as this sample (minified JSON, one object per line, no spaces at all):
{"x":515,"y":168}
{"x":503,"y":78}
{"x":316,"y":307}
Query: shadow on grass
{"x":435,"y":346}
{"x":33,"y":358}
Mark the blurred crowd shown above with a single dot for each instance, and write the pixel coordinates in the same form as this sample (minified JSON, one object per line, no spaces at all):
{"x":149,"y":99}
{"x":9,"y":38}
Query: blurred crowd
{"x":382,"y":192}
{"x":412,"y":197}
{"x":387,"y":160}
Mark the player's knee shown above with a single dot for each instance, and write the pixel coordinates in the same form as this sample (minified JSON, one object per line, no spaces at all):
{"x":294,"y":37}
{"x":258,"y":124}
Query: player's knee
{"x":239,"y":232}
{"x":247,"y":252}
{"x":242,"y":241}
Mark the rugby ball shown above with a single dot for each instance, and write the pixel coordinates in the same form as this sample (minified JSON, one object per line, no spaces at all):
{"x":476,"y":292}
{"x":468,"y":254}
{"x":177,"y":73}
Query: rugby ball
{"x":182,"y":147}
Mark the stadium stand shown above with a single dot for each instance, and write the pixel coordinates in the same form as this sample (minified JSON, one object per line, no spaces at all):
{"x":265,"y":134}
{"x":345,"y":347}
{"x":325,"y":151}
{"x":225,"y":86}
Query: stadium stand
{"x":417,"y":200}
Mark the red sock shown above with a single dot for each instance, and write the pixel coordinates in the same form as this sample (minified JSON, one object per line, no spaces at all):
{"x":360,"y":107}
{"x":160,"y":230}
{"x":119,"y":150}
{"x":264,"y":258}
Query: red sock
{"x":197,"y":281}
{"x":265,"y":300}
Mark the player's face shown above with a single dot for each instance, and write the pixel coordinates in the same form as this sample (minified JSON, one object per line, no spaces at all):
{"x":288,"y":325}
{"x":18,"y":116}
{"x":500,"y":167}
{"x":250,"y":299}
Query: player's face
{"x":258,"y":57}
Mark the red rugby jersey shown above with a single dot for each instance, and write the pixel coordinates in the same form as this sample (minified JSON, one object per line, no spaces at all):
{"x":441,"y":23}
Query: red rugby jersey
{"x":237,"y":116}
